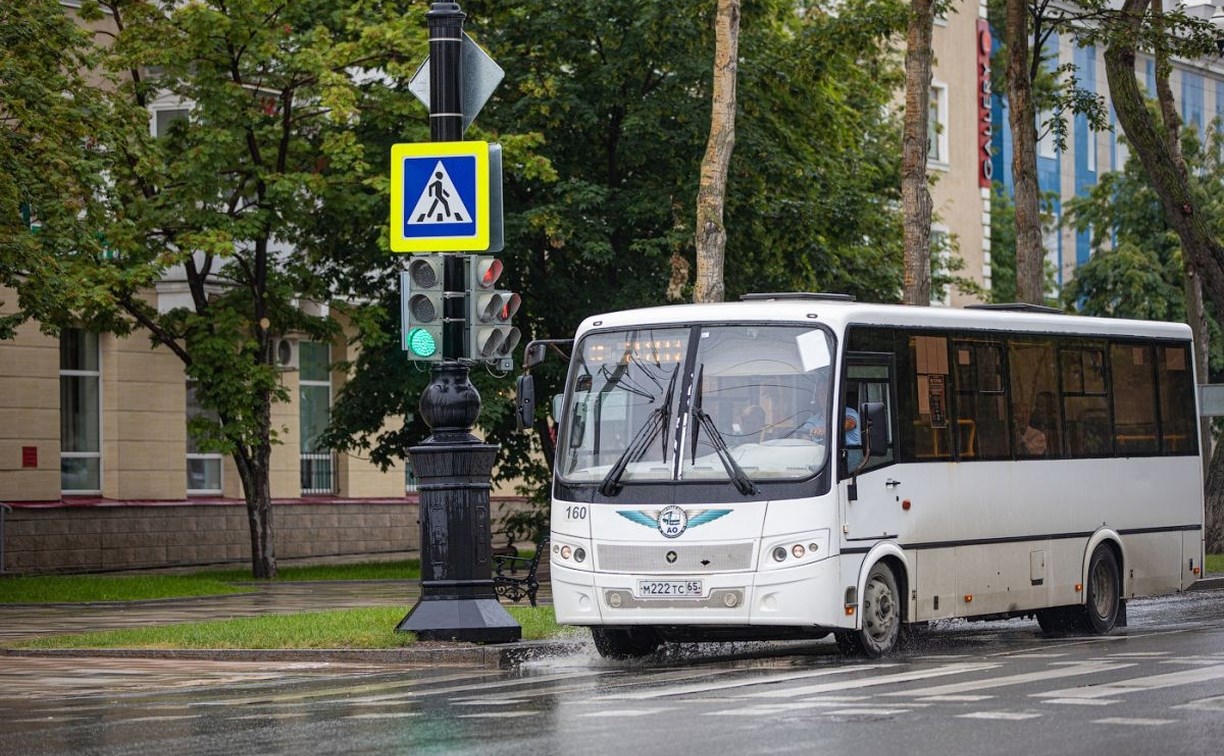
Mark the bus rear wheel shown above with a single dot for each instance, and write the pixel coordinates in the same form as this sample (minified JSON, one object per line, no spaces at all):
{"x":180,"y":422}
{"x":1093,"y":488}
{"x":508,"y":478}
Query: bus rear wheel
{"x":629,"y":643}
{"x":1100,"y":612}
{"x":881,"y":616}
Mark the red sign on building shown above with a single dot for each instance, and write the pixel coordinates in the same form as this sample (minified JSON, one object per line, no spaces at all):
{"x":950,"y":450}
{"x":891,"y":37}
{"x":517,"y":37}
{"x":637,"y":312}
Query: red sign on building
{"x":985,"y":165}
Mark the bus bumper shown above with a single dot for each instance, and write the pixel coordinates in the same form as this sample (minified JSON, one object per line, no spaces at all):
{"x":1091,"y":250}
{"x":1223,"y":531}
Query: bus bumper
{"x":807,"y":596}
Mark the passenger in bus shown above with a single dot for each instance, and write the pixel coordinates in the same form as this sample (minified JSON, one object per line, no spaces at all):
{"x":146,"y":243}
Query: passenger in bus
{"x":1034,"y":442}
{"x":752,"y":422}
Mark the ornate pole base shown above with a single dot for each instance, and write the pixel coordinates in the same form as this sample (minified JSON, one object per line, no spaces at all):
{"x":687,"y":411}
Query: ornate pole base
{"x":453,"y":469}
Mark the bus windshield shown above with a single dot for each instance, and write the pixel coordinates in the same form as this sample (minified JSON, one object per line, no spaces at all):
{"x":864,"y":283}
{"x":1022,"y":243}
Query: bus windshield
{"x":709,"y":403}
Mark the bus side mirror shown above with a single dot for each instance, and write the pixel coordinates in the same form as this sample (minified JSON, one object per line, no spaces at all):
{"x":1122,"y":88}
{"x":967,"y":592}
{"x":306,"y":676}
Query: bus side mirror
{"x":875,"y":435}
{"x":534,"y":354}
{"x":524,"y":403}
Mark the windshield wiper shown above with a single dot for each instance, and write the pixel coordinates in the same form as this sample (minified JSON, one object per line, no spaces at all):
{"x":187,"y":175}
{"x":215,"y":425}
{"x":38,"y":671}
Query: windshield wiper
{"x":742,"y":482}
{"x":641,"y":441}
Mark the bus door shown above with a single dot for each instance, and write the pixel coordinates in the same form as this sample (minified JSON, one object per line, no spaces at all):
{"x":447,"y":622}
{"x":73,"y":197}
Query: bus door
{"x":867,"y":490}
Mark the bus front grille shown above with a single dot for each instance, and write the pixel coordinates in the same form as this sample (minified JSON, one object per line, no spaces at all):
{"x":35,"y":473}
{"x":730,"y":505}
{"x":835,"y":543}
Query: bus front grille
{"x":655,"y":560}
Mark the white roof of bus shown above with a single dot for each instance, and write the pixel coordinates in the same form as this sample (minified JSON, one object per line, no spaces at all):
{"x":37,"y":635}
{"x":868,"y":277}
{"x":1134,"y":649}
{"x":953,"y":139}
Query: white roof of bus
{"x":838,"y":314}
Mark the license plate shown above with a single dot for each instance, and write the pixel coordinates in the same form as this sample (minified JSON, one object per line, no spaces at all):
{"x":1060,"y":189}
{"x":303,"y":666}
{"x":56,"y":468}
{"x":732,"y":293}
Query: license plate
{"x":669,"y":588}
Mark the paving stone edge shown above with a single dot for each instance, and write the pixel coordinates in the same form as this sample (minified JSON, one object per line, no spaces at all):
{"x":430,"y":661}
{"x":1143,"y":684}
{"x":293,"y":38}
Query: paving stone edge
{"x":426,"y":655}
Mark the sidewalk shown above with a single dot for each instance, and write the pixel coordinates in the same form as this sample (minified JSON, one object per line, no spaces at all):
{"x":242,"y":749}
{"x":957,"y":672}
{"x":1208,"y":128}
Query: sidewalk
{"x":23,"y":621}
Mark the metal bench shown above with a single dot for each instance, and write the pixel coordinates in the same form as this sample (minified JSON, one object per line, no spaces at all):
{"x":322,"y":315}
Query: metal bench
{"x":506,"y":579}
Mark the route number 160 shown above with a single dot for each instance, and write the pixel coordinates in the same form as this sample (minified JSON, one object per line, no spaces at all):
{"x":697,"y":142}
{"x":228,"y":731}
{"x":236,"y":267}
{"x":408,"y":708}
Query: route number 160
{"x":575,"y":513}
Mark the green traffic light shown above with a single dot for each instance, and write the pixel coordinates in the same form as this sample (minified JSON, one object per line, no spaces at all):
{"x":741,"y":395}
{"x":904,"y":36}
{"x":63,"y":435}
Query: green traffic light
{"x":421,"y":343}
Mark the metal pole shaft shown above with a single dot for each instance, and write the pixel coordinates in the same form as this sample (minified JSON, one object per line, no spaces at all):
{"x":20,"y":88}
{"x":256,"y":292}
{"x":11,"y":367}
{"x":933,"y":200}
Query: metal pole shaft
{"x":453,"y":468}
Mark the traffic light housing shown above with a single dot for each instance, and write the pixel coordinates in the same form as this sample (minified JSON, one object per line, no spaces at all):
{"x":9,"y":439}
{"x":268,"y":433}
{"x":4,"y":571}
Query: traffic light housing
{"x":491,"y":337}
{"x":423,"y":294}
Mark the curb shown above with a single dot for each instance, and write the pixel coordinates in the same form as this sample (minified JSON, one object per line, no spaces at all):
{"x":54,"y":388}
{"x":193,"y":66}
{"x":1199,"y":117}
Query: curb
{"x":421,"y":655}
{"x":1212,"y":583}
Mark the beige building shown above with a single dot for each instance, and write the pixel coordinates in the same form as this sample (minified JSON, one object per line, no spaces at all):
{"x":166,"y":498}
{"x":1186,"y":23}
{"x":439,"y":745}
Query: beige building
{"x":99,"y":471}
{"x":960,"y":139}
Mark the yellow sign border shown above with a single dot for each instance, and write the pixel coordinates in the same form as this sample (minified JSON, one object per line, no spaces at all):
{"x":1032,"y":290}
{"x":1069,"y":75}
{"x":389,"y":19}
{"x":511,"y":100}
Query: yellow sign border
{"x":477,"y":242}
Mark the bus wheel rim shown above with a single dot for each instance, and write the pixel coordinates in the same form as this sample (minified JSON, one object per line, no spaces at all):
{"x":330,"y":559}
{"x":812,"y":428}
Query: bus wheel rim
{"x":881,"y":611}
{"x":1102,"y":591}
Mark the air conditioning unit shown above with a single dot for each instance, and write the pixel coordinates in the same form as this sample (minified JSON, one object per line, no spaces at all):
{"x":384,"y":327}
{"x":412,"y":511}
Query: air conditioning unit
{"x":287,"y":354}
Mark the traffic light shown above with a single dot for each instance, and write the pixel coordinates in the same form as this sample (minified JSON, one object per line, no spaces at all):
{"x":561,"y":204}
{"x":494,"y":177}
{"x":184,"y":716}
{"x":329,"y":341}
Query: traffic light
{"x":422,"y":293}
{"x":491,"y":337}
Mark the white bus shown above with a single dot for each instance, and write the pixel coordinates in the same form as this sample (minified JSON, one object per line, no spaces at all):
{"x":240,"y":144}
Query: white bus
{"x":796,"y":464}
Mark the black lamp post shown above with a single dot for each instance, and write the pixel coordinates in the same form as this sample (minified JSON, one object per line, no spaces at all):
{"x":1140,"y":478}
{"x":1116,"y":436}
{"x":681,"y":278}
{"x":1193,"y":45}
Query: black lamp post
{"x":453,"y":467}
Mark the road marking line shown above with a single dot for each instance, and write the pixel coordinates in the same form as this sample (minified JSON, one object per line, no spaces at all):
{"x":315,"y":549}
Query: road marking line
{"x":1072,"y":670}
{"x":867,"y":682}
{"x":680,"y":690}
{"x":1136,"y":721}
{"x":1008,"y":715}
{"x":874,"y":712}
{"x":775,"y":708}
{"x":626,"y":712}
{"x":1137,"y":684}
{"x":385,"y":715}
{"x":1084,"y":701}
{"x":501,"y":714}
{"x":955,"y":699}
{"x":1215,"y":703}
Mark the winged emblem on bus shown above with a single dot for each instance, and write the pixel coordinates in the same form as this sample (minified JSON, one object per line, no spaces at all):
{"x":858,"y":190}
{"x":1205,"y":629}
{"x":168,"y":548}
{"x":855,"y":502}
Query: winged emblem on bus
{"x":672,"y":521}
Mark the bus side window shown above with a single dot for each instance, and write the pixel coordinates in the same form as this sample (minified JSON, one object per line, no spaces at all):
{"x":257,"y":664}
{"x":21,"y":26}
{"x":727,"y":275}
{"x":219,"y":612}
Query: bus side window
{"x":981,"y":401}
{"x":1133,"y":368}
{"x":1176,"y":383}
{"x":925,"y":425}
{"x":1036,"y":422}
{"x":1085,"y":400}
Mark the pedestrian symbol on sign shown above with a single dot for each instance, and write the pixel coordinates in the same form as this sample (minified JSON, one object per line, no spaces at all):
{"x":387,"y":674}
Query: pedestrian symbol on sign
{"x":440,"y":197}
{"x":440,"y":202}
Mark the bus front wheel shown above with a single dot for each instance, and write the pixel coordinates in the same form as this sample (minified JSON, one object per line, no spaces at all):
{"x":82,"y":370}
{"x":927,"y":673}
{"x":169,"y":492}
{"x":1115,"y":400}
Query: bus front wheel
{"x":881,"y":616}
{"x":629,"y":643}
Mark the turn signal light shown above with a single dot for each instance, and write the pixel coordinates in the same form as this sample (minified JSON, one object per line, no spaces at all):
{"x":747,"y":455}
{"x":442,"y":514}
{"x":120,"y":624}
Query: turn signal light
{"x":1079,"y":587}
{"x":968,"y":598}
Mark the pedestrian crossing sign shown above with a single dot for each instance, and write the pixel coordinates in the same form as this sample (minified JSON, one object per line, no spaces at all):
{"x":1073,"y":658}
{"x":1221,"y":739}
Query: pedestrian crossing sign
{"x":440,"y":197}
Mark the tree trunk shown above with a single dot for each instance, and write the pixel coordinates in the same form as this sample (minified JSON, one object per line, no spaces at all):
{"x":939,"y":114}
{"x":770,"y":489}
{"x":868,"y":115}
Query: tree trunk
{"x":711,"y":235}
{"x":1161,"y":159}
{"x":254,"y":469}
{"x":1214,"y":532}
{"x":1022,"y":118}
{"x":916,"y":202}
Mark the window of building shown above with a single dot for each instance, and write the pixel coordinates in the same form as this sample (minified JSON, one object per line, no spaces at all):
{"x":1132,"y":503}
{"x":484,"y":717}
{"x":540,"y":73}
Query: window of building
{"x":937,"y":125}
{"x":1046,"y":148}
{"x":80,"y":412}
{"x":941,"y":259}
{"x":318,"y":462}
{"x":203,"y":468}
{"x":162,"y":118}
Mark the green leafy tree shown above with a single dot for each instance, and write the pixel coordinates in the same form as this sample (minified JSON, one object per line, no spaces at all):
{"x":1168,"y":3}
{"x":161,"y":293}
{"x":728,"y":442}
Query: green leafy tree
{"x":604,"y":115}
{"x":220,"y":200}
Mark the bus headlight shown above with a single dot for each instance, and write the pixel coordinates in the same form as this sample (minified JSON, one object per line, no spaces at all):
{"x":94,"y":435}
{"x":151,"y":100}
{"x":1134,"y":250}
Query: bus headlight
{"x":779,"y":554}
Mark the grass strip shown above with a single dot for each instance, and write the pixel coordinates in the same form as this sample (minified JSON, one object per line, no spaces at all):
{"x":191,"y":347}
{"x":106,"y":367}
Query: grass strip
{"x":1215,"y":563}
{"x":39,"y":589}
{"x":43,"y":589}
{"x":364,"y":628}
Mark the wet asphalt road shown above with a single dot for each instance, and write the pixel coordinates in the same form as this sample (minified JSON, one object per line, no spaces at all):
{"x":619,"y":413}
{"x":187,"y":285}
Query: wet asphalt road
{"x":1154,"y":687}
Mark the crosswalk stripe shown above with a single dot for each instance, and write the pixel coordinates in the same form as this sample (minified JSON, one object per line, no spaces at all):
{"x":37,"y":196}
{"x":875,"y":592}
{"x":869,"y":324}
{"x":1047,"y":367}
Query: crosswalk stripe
{"x":1008,"y":715}
{"x":680,"y":690}
{"x":1084,"y":668}
{"x":1134,"y":721}
{"x":1151,"y":682}
{"x":626,"y":713}
{"x":867,"y":682}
